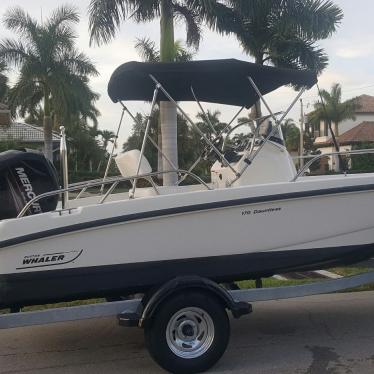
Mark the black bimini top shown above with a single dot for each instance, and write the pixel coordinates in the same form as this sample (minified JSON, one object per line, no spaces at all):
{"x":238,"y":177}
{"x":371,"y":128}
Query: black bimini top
{"x":215,"y":81}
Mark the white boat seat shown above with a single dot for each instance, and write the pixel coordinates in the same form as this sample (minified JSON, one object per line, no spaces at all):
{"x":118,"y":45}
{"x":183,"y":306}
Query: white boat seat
{"x":127,"y":163}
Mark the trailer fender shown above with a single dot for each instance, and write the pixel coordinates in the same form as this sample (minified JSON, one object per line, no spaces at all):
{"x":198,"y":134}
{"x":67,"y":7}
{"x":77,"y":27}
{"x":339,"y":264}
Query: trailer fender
{"x":152,"y":301}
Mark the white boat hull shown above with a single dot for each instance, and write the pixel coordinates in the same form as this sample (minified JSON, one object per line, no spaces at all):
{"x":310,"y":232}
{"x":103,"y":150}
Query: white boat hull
{"x":229,"y":234}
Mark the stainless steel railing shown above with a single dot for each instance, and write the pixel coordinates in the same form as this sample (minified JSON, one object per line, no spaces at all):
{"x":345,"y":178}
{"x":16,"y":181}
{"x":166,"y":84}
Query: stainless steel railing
{"x":114,"y":181}
{"x":302,"y":171}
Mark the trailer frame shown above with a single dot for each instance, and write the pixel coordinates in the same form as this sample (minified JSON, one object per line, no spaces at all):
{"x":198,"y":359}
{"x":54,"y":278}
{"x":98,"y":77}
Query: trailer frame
{"x":155,"y":305}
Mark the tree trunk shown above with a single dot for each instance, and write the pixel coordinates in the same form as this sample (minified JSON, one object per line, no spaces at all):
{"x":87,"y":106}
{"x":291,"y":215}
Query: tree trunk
{"x":47,"y":124}
{"x":168,"y":111}
{"x":339,"y":164}
{"x":256,"y":108}
{"x":168,"y":117}
{"x":333,"y":137}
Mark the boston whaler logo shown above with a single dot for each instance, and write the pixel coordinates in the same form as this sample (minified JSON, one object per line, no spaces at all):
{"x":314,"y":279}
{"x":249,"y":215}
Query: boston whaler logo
{"x":49,"y":259}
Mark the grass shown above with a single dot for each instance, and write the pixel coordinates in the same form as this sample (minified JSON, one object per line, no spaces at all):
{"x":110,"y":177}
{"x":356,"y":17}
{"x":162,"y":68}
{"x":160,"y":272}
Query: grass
{"x":58,"y":305}
{"x":272,"y":282}
{"x":349,"y":271}
{"x":343,"y":271}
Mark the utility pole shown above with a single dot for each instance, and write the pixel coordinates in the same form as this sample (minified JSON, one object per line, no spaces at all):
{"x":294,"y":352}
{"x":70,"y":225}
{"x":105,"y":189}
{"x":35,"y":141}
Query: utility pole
{"x":301,"y":133}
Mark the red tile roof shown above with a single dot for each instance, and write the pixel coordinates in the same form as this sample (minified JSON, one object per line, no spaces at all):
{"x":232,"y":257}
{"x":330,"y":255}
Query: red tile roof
{"x":366,"y":104}
{"x":24,"y":132}
{"x":362,"y":133}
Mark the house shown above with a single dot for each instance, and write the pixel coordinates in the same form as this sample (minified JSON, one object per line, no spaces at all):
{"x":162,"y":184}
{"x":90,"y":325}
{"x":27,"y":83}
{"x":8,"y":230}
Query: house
{"x":364,"y":113}
{"x":24,"y":134}
{"x":349,"y":132}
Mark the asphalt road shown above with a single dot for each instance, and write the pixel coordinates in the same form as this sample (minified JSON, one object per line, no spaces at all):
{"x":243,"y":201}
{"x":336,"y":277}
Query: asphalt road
{"x":316,"y":335}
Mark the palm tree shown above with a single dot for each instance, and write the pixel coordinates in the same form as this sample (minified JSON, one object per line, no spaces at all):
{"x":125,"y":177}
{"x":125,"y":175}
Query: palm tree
{"x":51,"y":70}
{"x":287,"y":126}
{"x":34,"y":115}
{"x":137,"y":134}
{"x":148,"y":51}
{"x":333,"y":111}
{"x":291,"y":134}
{"x":3,"y":82}
{"x":208,"y":120}
{"x":284,"y":32}
{"x":107,"y":136}
{"x":105,"y":19}
{"x":86,"y":152}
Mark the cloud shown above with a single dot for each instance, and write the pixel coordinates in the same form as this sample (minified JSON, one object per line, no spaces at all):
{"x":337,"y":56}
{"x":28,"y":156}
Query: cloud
{"x":354,"y":52}
{"x":349,"y":50}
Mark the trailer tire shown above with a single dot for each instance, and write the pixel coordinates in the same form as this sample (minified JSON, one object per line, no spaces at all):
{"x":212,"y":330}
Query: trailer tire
{"x":188,"y":333}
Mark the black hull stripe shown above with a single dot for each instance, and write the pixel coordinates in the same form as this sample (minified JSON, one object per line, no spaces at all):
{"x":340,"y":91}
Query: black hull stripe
{"x":40,"y":287}
{"x":183,"y":209}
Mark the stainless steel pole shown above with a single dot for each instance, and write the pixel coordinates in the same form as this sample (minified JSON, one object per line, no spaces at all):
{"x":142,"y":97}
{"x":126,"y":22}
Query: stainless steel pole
{"x":149,"y":137}
{"x":155,"y":92}
{"x":301,"y":133}
{"x":208,"y":141}
{"x":112,"y":152}
{"x":64,"y":167}
{"x":203,"y":112}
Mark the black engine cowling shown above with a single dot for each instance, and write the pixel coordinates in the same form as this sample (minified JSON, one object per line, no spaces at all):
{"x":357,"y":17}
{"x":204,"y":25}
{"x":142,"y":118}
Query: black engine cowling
{"x":25,"y":174}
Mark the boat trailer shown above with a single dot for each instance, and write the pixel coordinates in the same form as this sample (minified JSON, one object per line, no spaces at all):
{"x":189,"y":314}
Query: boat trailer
{"x":188,"y":328}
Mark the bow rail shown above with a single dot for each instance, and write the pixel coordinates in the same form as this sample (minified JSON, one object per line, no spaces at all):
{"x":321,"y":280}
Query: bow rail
{"x":113,"y":181}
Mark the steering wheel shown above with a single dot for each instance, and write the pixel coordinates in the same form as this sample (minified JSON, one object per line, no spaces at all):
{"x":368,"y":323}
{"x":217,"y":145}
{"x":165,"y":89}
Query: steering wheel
{"x":239,"y":144}
{"x":209,"y":154}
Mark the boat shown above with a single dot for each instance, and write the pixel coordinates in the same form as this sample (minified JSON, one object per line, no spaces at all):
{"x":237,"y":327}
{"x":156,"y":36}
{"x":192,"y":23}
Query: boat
{"x":257,"y":216}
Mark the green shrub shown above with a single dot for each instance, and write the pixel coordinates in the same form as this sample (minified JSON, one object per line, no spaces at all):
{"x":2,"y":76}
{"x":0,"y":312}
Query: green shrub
{"x":365,"y":162}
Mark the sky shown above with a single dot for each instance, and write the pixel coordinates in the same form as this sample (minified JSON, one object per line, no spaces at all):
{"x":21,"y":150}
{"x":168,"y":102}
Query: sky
{"x":350,"y":50}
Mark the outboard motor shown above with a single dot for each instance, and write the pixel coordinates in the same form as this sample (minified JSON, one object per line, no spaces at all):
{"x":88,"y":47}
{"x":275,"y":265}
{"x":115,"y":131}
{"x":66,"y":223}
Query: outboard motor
{"x":25,"y":174}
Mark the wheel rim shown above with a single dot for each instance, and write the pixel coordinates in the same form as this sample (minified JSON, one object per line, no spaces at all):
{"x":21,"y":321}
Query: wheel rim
{"x":190,"y":332}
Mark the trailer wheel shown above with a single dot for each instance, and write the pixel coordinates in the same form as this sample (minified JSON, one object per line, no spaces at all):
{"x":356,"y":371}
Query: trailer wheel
{"x":188,"y":333}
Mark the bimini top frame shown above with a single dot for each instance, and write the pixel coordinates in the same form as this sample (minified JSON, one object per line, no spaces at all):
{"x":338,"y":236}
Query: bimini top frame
{"x":230,"y":82}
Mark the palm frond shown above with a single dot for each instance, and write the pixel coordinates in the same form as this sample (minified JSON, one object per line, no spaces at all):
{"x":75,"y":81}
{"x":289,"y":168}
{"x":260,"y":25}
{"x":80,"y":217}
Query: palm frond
{"x":61,"y":38}
{"x":64,"y":14}
{"x":78,"y":63}
{"x":285,"y":32}
{"x":72,"y":96}
{"x":193,"y":22}
{"x":145,"y":10}
{"x":217,"y":15}
{"x":105,"y":17}
{"x":13,"y":52}
{"x":181,"y":53}
{"x":24,"y":95}
{"x":3,"y":81}
{"x":17,"y":20}
{"x":297,"y":53}
{"x":147,"y":50}
{"x":316,"y":19}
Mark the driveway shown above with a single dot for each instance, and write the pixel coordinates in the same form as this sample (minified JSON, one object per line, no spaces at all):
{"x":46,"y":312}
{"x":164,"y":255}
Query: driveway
{"x":316,"y":335}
